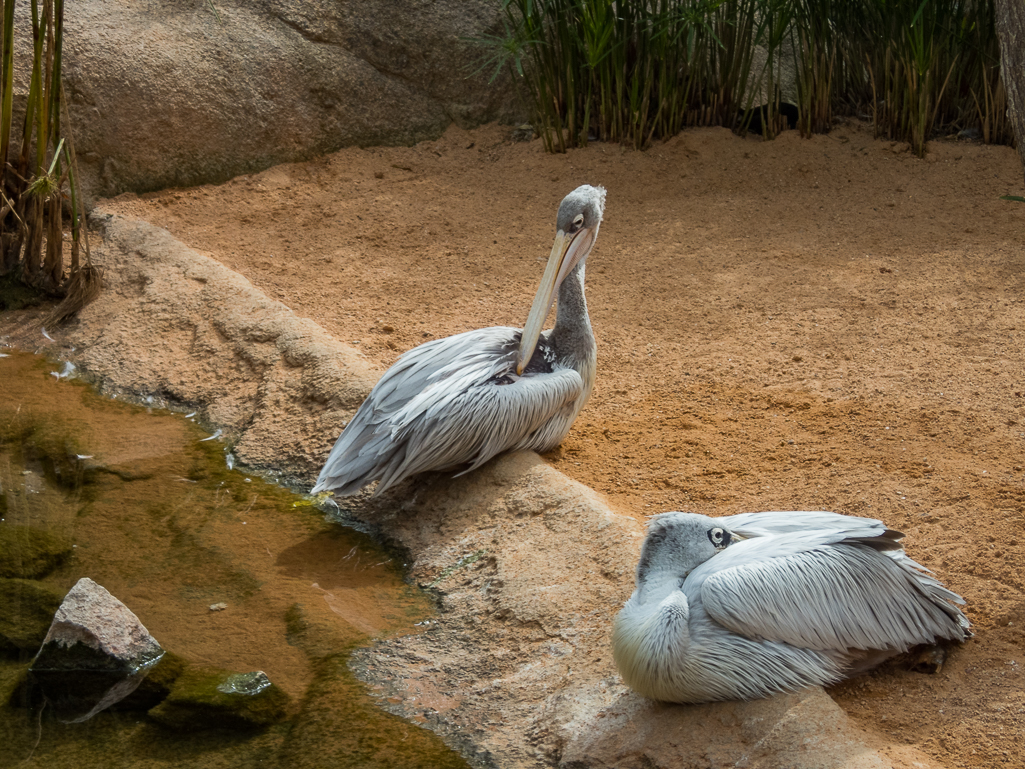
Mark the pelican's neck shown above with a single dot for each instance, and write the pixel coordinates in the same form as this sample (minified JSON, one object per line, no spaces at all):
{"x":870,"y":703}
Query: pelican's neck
{"x":572,"y":337}
{"x":656,"y":588}
{"x":650,"y":644}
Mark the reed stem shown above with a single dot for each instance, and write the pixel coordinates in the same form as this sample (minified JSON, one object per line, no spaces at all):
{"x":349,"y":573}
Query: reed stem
{"x":636,"y":71}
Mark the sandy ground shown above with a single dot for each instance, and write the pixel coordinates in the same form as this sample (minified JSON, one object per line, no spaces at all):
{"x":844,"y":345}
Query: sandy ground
{"x":797,"y":324}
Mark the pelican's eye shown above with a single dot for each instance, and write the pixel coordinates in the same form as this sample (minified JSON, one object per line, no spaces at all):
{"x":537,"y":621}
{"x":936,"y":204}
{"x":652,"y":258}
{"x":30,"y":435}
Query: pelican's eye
{"x":578,"y":222}
{"x":719,"y":537}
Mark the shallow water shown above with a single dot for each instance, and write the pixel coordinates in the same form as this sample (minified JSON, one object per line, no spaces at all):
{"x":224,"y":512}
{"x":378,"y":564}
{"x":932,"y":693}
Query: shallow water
{"x":159,"y":520}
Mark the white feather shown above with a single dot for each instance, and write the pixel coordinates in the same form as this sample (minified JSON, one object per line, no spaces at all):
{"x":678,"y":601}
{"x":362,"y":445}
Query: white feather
{"x":794,"y":599}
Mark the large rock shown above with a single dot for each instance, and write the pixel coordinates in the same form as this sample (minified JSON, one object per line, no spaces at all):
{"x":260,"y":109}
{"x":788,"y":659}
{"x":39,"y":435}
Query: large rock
{"x":805,"y":730}
{"x":173,"y":94}
{"x":96,"y":653}
{"x":256,"y":360}
{"x":529,"y":567}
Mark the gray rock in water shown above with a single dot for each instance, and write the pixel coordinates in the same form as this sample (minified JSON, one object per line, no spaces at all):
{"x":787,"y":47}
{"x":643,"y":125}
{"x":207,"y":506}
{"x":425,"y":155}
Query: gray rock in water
{"x":95,"y":654}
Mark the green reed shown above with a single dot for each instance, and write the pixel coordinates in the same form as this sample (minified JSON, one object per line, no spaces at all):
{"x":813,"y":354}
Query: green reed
{"x":638,"y":70}
{"x":37,"y":180}
{"x":918,"y":55}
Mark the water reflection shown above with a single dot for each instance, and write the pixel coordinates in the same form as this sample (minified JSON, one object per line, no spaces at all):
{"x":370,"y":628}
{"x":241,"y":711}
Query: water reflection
{"x":224,"y":572}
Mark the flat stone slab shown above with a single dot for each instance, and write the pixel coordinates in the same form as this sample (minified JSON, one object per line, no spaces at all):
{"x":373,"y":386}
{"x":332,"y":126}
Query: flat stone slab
{"x":804,"y":730}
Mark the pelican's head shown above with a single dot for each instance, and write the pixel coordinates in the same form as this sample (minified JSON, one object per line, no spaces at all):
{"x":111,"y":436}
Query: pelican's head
{"x":676,"y":544}
{"x":581,"y":210}
{"x":577,"y":225}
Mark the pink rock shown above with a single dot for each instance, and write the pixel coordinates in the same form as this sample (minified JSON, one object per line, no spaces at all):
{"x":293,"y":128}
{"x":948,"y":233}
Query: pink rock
{"x":92,"y":616}
{"x":96,"y":653}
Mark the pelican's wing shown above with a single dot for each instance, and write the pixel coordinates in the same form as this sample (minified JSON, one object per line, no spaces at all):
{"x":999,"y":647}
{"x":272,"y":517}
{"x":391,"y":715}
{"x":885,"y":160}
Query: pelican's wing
{"x":448,"y":403}
{"x":829,"y":589}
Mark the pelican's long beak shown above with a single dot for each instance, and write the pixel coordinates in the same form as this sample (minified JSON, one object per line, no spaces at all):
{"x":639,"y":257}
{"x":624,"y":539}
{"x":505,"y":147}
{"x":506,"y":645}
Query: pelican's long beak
{"x":566,"y":252}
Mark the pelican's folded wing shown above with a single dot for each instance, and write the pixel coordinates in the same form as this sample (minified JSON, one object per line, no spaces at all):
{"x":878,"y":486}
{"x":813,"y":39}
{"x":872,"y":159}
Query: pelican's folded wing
{"x":448,"y":403}
{"x":469,"y":425}
{"x":444,"y":364}
{"x":843,"y":595}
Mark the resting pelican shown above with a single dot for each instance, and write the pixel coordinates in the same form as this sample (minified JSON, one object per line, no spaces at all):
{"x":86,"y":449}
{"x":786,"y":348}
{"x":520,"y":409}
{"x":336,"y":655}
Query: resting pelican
{"x":454,"y":403}
{"x":753,"y":604}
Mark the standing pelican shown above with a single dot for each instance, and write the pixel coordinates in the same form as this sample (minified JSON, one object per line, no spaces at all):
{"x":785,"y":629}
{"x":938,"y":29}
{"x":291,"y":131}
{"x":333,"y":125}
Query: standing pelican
{"x":454,"y":403}
{"x":753,"y":604}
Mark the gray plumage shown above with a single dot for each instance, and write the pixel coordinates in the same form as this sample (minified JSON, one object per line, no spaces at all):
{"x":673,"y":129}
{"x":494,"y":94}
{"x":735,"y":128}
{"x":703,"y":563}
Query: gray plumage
{"x":749,"y":605}
{"x":454,"y":403}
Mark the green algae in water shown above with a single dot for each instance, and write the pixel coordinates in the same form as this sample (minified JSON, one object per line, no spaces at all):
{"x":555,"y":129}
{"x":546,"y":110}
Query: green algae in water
{"x":28,"y":552}
{"x":26,"y":611}
{"x":202,"y":698}
{"x":155,"y":516}
{"x":323,"y":737}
